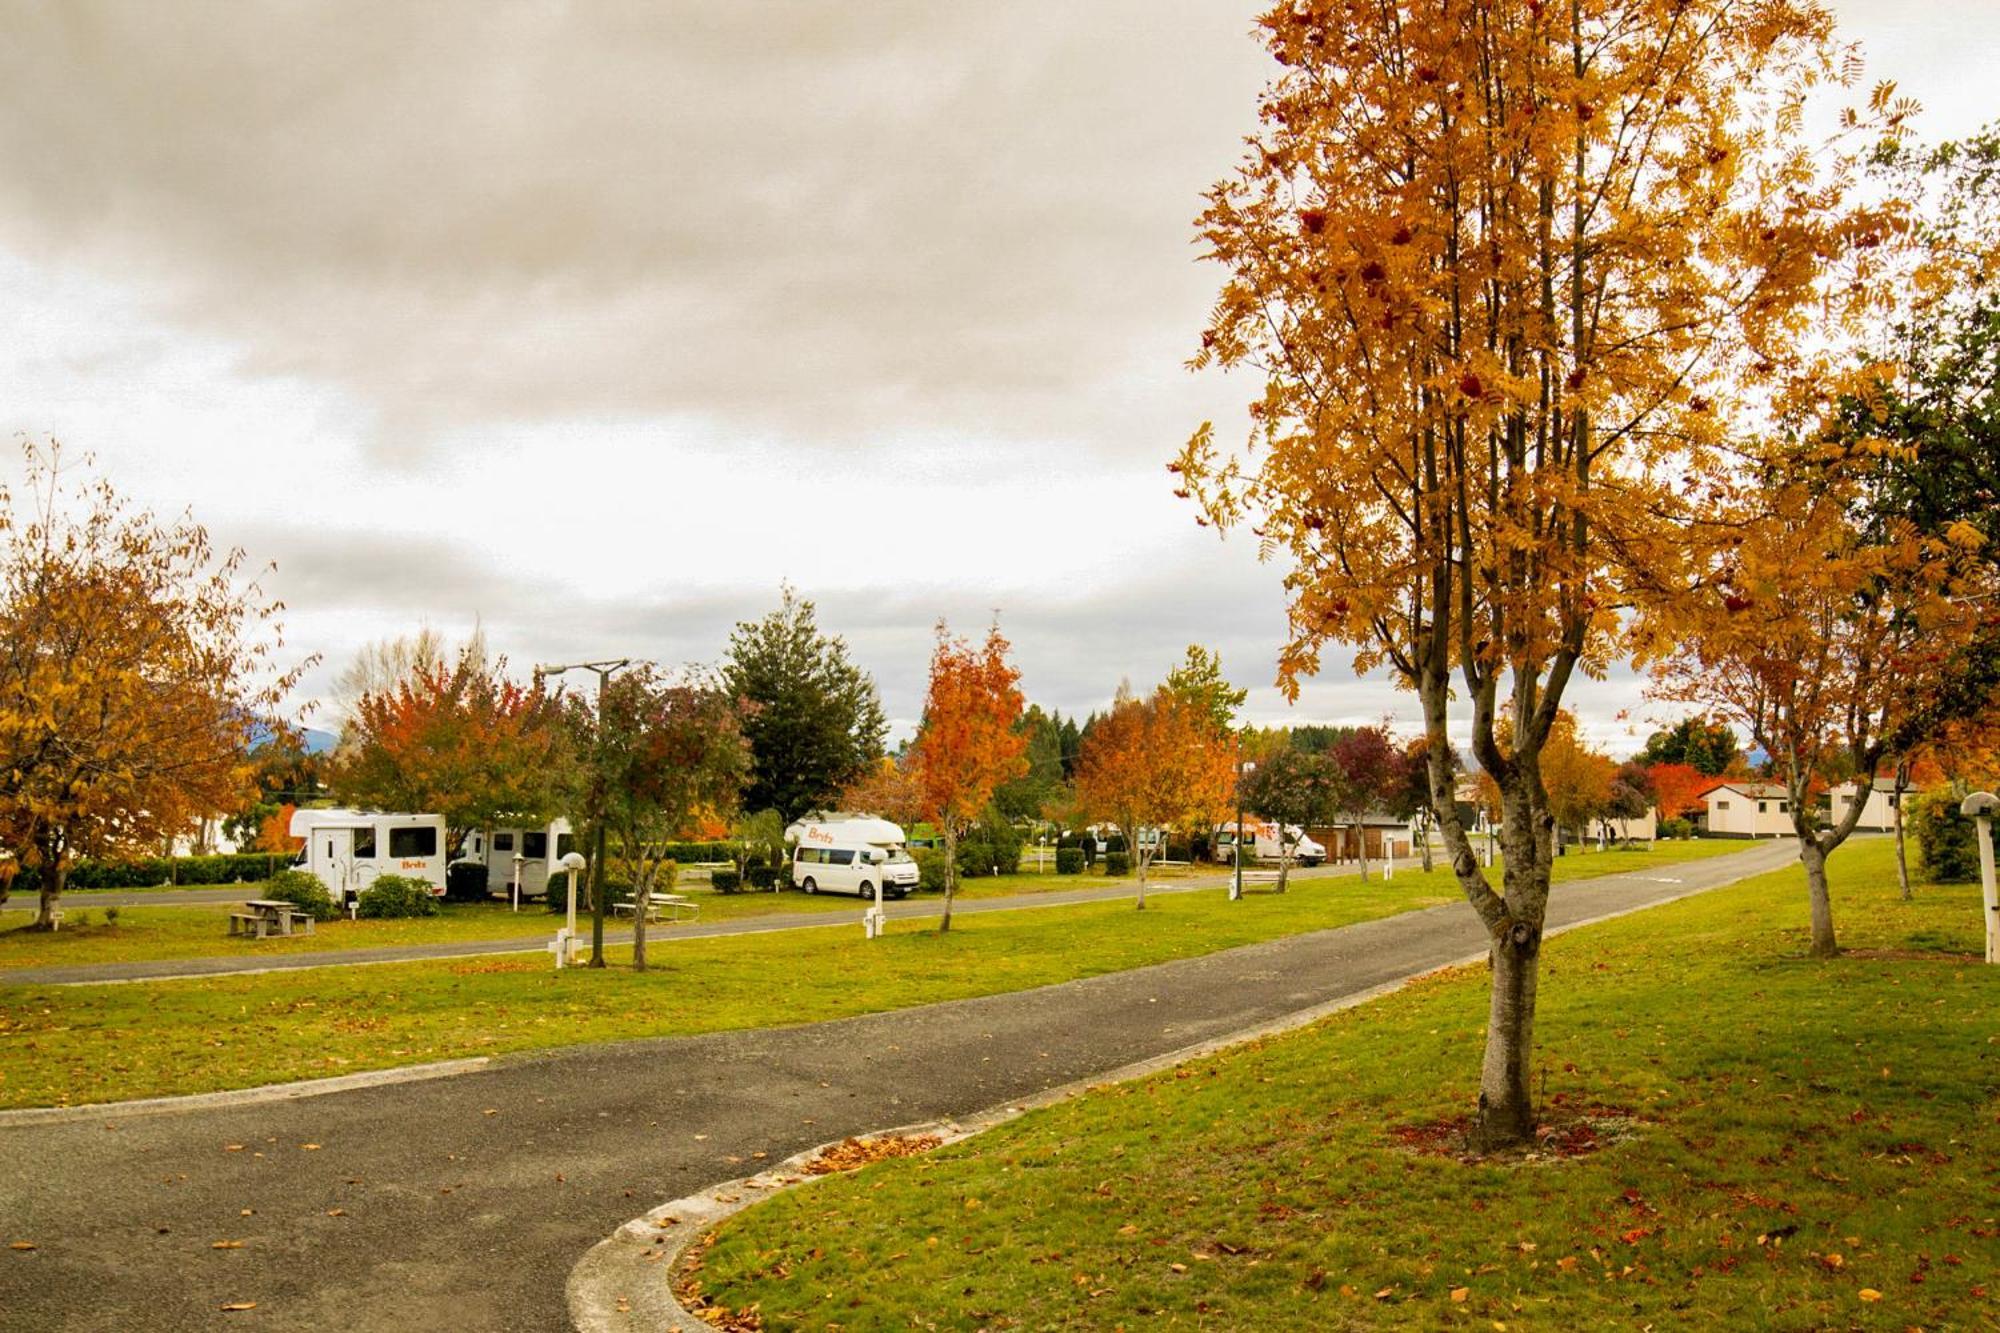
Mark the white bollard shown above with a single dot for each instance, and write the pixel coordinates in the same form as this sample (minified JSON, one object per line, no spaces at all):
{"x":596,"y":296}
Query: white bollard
{"x":872,"y":922}
{"x":1979,"y":807}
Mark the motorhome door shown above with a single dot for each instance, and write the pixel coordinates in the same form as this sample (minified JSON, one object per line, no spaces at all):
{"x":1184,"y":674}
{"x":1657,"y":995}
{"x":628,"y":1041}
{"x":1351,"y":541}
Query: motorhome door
{"x":334,"y":858}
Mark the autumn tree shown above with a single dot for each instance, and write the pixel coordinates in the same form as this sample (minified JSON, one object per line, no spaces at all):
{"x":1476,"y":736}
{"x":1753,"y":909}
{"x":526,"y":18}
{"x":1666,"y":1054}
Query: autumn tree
{"x":888,"y":789}
{"x":1155,"y":763}
{"x":1365,"y":768}
{"x":1513,"y":273}
{"x":1819,"y":639}
{"x":969,"y":742}
{"x":1677,"y":789}
{"x":462,"y":740}
{"x":663,"y":748}
{"x":1577,"y":778}
{"x":1291,"y":788}
{"x":136,"y":671}
{"x":1409,"y":797}
{"x":817,"y":721}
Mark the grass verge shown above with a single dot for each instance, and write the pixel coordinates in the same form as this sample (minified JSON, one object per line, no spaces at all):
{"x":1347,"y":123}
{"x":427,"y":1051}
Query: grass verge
{"x":1746,"y":1138}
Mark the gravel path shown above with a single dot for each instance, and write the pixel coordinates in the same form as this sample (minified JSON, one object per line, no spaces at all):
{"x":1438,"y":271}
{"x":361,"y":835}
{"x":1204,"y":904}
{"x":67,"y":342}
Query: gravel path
{"x":464,"y":1202}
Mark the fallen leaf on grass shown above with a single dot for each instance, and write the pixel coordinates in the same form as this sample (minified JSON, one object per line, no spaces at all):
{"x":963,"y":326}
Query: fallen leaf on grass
{"x":336,"y":1212}
{"x":308,"y":1147}
{"x":22,"y":1245}
{"x":237,"y":1305}
{"x":1178,"y":1268}
{"x":1458,"y":1294}
{"x":1869,"y":1294}
{"x":227,"y":1245}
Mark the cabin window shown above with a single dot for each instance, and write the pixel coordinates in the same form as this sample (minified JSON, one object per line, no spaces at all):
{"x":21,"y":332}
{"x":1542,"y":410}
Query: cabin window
{"x":503,"y":842}
{"x":413,"y":842}
{"x":1722,"y":805}
{"x":842,"y":856}
{"x":1784,"y":806}
{"x":364,"y":842}
{"x":534,"y":846}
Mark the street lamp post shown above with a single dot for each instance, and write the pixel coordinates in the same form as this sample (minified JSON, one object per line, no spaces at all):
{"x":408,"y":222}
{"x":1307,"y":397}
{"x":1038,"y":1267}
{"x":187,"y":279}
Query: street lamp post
{"x":604,"y":671}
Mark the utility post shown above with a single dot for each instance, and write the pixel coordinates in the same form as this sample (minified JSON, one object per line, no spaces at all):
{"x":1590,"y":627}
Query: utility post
{"x":1979,"y":808}
{"x":605,"y":670}
{"x":1236,"y":885}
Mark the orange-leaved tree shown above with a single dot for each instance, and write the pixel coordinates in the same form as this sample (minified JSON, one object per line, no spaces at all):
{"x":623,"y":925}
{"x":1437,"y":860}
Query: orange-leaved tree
{"x":1513,"y":274}
{"x":969,"y":742}
{"x":459,"y":739}
{"x":1678,"y":789}
{"x":136,"y":670}
{"x":1821,"y":637}
{"x":1156,"y":764}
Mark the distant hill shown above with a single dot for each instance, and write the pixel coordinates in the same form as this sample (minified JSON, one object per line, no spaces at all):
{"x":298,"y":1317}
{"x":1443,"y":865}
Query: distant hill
{"x":319,"y":742}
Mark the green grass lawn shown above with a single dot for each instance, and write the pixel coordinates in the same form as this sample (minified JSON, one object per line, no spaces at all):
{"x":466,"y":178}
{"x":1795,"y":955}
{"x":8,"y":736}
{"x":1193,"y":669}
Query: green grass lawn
{"x":73,"y":1044}
{"x":1773,"y":1143}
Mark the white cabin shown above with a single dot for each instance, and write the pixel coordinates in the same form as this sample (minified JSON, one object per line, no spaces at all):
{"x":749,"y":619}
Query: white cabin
{"x":1878,"y":811}
{"x":348,"y":849}
{"x":1749,"y":810}
{"x":539,"y":851}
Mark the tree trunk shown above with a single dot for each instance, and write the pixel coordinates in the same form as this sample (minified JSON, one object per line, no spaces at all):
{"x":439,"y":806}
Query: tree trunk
{"x":55,"y":871}
{"x":1896,"y":814}
{"x":1424,"y":833}
{"x":1506,"y":1101}
{"x":950,"y":872}
{"x":1823,"y":943}
{"x":642,"y":890}
{"x":1284,"y":863}
{"x":1361,"y":849}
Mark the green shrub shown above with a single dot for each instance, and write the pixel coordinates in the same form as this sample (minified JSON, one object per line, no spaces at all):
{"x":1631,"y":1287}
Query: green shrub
{"x":761,"y":876}
{"x":1069,"y":860}
{"x":930,"y":869}
{"x":725,"y":881}
{"x":992,"y":846}
{"x":466,"y":882}
{"x":395,"y":896}
{"x":1117,"y":863}
{"x":1945,"y":839}
{"x":110,"y":916}
{"x":1114,"y":843}
{"x":1676,"y":828}
{"x":302,"y":890}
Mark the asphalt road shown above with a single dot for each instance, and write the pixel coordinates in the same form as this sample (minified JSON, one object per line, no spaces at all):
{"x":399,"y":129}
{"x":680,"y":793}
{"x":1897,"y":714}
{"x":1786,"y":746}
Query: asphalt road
{"x":464,"y":1202}
{"x":913,"y":909}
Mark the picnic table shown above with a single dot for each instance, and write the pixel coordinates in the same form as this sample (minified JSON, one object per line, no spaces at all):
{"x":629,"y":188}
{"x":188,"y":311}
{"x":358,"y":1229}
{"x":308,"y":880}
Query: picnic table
{"x":677,"y":906}
{"x":270,"y":916}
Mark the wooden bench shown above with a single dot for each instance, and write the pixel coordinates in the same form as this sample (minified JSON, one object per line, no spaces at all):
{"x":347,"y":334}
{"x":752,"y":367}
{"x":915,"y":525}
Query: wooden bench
{"x":677,"y":906}
{"x":1260,"y":880}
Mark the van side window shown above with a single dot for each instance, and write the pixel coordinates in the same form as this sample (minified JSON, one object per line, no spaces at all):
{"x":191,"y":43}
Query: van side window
{"x":564,"y":842}
{"x":503,"y":842}
{"x":413,"y":842}
{"x":534,"y":846}
{"x":364,"y":842}
{"x":842,"y":856}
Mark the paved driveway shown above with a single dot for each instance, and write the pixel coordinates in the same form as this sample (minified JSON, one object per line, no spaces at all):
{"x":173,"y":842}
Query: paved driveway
{"x":464,"y":1202}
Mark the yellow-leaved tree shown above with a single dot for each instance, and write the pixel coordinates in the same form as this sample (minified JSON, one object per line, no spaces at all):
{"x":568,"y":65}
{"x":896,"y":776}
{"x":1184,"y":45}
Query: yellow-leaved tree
{"x":1515,"y":274}
{"x":135,"y":673}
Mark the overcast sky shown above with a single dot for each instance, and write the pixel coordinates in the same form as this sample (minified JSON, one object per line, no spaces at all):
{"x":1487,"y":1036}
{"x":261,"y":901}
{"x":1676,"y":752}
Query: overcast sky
{"x":595,"y":322}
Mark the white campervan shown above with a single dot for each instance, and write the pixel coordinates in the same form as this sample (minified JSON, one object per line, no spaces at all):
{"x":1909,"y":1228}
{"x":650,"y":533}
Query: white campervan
{"x":851,"y":856}
{"x":540,"y":849}
{"x":1261,"y":838}
{"x":348,"y":849}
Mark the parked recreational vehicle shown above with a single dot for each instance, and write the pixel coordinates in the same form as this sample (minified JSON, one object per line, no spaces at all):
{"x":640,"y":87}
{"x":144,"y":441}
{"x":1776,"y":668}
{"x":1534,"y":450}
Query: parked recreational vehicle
{"x":1261,"y":837}
{"x":347,"y":849}
{"x":539,"y":849}
{"x":851,"y":856}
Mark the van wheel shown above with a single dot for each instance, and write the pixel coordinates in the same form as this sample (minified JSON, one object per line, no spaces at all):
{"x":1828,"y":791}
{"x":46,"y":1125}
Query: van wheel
{"x":809,"y":886}
{"x":867,"y":891}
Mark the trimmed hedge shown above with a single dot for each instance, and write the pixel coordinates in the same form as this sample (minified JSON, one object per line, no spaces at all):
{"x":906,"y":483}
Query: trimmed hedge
{"x":1069,"y":860}
{"x":1117,"y":863}
{"x":146,"y":872}
{"x":466,"y":882}
{"x":394,"y":896}
{"x":761,"y":876}
{"x":725,"y":881}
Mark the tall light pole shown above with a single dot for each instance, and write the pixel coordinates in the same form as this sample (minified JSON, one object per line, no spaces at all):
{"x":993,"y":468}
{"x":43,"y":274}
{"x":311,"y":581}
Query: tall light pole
{"x":604,"y":671}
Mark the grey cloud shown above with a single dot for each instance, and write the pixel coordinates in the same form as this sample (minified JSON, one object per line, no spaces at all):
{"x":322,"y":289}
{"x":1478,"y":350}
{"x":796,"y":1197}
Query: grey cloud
{"x":857,"y":217}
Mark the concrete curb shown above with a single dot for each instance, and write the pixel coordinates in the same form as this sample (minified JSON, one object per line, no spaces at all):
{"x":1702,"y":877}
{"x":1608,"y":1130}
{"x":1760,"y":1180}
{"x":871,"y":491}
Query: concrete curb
{"x":624,"y":1283}
{"x":269,"y":1092}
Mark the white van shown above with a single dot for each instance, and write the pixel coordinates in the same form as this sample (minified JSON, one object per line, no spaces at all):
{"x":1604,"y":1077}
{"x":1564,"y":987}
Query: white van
{"x":348,"y":849}
{"x":540,"y":849}
{"x":851,"y":856}
{"x":1261,"y":838}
